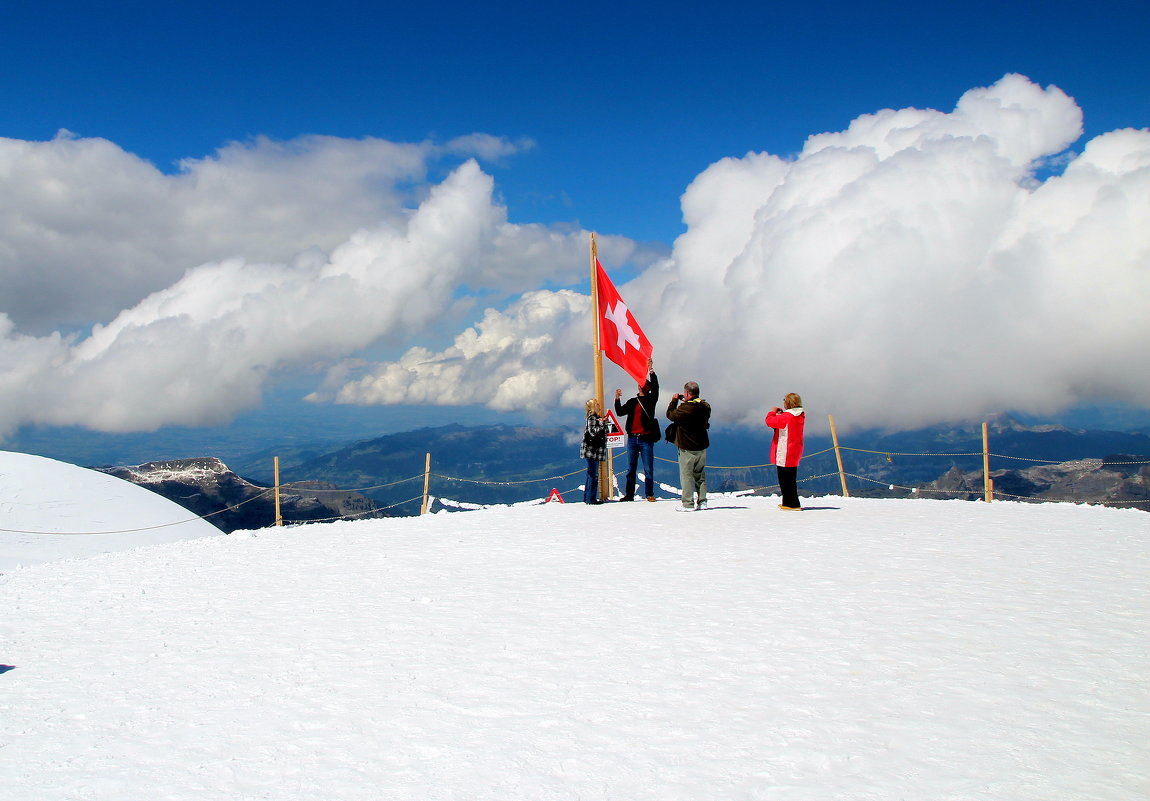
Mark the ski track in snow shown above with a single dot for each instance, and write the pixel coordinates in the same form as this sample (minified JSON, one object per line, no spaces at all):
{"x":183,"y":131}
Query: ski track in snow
{"x":863,"y":649}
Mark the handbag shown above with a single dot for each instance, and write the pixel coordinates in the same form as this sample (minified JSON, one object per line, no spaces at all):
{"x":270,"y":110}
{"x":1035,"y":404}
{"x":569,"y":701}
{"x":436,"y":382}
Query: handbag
{"x":654,"y":422}
{"x":670,"y":431}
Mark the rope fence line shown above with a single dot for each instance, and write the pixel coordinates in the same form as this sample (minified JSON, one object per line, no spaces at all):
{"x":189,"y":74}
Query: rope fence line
{"x":353,"y":515}
{"x":296,"y":484}
{"x":192,"y":519}
{"x":505,"y":483}
{"x":296,"y":488}
{"x":1044,"y":499}
{"x":998,"y":493}
{"x":889,"y":454}
{"x":1063,"y":461}
{"x":337,"y":489}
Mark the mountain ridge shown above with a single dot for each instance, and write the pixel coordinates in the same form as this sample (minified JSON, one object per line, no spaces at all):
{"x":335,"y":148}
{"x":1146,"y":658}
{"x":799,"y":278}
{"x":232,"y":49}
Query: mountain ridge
{"x":207,"y":487}
{"x":508,"y":463}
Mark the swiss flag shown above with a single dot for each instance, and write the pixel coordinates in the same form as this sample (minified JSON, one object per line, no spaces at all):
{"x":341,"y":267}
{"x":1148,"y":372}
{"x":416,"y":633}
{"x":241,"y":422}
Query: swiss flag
{"x":620,"y":337}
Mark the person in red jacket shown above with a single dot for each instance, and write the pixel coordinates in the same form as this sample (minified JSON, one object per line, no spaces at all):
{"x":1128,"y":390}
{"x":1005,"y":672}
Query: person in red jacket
{"x":642,"y":432}
{"x":787,"y":447}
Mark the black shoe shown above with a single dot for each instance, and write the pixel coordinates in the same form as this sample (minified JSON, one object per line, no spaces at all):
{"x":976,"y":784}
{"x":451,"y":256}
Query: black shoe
{"x":627,"y":498}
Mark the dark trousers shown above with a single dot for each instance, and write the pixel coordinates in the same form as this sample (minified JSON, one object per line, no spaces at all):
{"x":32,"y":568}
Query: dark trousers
{"x":789,"y":486}
{"x":636,"y":449}
{"x":591,"y":484}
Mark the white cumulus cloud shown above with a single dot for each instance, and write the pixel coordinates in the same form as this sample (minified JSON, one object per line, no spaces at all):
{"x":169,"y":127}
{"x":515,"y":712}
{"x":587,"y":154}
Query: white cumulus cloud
{"x":525,"y":358}
{"x":913,"y":268}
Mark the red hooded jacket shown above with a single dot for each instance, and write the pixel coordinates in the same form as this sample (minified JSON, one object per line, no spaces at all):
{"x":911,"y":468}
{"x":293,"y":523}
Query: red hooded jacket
{"x":787,"y":445}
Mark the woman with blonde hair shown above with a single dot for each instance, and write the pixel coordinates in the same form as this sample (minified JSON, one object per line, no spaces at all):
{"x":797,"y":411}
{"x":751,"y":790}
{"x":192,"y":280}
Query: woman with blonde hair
{"x":593,"y":449}
{"x":787,"y":447}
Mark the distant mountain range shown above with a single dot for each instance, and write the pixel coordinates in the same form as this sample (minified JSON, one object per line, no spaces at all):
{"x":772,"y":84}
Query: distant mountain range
{"x":513,"y":463}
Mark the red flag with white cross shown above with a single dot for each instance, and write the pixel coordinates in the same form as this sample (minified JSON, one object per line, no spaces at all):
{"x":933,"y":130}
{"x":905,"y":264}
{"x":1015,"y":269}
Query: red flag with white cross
{"x":620,"y":337}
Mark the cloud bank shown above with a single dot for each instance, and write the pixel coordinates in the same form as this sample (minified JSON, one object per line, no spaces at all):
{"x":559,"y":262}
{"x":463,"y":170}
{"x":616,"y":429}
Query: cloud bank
{"x":916,"y":267}
{"x":88,"y":230}
{"x":909,"y":270}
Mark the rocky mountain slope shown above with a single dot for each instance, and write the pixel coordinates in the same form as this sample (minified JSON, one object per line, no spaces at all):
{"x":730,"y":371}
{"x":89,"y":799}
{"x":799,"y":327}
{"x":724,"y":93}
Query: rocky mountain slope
{"x":1117,"y":480}
{"x":206,"y":487}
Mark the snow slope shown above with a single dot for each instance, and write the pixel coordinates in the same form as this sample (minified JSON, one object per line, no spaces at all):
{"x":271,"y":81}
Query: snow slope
{"x":861,"y":649}
{"x":46,"y":505}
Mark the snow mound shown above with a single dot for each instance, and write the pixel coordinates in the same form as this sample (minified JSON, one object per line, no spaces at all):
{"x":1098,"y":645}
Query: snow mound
{"x":54,"y":510}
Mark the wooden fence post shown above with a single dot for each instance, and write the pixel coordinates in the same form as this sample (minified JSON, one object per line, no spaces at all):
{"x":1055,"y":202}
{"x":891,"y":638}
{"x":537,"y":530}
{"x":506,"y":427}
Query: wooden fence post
{"x":838,"y":456}
{"x":988,"y":491}
{"x":276,"y":470}
{"x":426,"y":482}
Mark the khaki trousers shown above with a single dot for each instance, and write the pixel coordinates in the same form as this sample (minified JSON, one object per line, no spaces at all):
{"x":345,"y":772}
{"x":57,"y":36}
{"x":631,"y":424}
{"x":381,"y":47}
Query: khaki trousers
{"x":693,"y":475}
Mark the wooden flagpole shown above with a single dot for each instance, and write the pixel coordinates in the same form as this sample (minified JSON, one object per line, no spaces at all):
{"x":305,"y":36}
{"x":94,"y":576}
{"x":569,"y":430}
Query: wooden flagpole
{"x":605,"y":465}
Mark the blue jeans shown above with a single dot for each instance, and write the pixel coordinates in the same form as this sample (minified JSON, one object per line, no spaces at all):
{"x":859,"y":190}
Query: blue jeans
{"x":637,"y":448}
{"x":591,"y":483}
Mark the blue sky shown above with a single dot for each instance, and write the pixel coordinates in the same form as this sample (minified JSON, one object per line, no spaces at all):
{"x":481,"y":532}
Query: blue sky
{"x":626,"y":102}
{"x":257,"y":199}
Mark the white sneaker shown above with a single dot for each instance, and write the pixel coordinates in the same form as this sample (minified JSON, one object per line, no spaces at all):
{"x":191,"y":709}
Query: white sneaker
{"x":684,"y":508}
{"x":702,"y":505}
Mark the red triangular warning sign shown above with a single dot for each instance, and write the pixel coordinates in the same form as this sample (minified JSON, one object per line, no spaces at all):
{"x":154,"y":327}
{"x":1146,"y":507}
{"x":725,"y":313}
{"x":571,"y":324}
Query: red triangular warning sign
{"x":615,"y":437}
{"x":554,"y":496}
{"x":613,"y":427}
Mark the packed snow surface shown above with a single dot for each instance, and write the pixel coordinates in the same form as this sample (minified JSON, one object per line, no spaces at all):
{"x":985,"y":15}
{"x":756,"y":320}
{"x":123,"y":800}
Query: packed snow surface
{"x":861,"y":649}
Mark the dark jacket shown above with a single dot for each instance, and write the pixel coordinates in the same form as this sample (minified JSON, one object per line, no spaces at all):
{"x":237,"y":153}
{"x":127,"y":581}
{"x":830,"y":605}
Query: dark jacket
{"x":693,"y":418}
{"x":594,"y":445}
{"x":640,"y":411}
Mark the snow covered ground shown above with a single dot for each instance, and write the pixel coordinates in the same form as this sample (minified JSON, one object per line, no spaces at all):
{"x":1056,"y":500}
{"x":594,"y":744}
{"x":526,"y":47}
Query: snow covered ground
{"x":862,"y":649}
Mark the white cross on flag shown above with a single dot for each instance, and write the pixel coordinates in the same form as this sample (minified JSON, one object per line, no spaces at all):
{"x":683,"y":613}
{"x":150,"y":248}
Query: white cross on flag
{"x":621,"y":339}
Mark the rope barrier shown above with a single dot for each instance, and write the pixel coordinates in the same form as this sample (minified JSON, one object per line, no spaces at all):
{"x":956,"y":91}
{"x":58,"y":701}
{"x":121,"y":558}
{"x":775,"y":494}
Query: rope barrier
{"x":889,"y":454}
{"x":504,"y":483}
{"x":1060,"y":461}
{"x":1044,"y":499}
{"x":296,"y":489}
{"x":726,"y":467}
{"x":137,"y":530}
{"x":359,"y":489}
{"x":999,"y":493}
{"x":352,"y":515}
